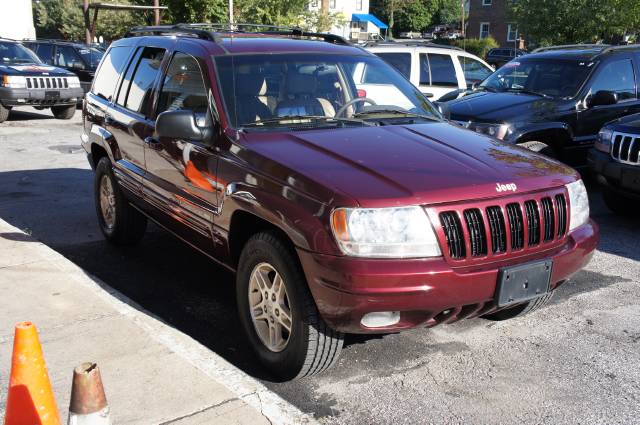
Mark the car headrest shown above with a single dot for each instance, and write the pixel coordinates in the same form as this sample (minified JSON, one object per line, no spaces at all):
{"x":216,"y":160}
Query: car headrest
{"x":301,"y":84}
{"x":250,"y":85}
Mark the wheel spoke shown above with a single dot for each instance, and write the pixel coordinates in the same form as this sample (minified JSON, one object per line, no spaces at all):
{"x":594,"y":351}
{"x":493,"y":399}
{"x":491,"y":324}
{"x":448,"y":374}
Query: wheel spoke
{"x":258,"y":313}
{"x":277,"y":287}
{"x":261,"y":280}
{"x":284,"y":317}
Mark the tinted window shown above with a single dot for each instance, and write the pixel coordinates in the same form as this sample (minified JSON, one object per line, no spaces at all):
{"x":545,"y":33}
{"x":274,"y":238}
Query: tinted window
{"x":16,"y":53}
{"x":68,"y":57}
{"x":616,"y":77}
{"x":183,"y":86}
{"x":400,"y":61}
{"x":425,"y":77}
{"x":91,"y":56}
{"x":144,"y":75}
{"x":442,"y":70}
{"x":45,"y":52}
{"x":107,"y":76}
{"x":474,"y":71}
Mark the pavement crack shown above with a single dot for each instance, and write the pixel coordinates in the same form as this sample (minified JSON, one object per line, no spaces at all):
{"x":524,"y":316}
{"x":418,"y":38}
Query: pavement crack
{"x":197,"y":412}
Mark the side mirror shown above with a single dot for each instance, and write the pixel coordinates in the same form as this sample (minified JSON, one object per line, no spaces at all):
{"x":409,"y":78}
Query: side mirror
{"x":78,"y":66}
{"x":602,"y":97}
{"x":443,"y":109}
{"x":178,"y":125}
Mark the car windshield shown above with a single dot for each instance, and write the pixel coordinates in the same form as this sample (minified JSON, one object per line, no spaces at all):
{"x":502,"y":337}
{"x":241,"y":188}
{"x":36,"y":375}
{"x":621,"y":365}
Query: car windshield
{"x":543,"y":77}
{"x":302,"y":91}
{"x":16,"y":53}
{"x":91,"y":55}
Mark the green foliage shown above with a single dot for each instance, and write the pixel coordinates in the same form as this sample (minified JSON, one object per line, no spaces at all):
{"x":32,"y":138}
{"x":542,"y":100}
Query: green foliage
{"x":478,"y":47}
{"x":270,"y":12}
{"x":548,"y":22}
{"x":416,"y":15}
{"x":188,"y":11}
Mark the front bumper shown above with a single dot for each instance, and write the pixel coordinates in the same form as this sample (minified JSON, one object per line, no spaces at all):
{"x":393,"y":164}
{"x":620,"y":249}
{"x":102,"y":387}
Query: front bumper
{"x":427,"y":292}
{"x":38,"y":97}
{"x":621,"y":178}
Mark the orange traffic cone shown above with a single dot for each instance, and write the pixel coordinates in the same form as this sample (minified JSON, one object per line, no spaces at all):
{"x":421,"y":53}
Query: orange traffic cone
{"x":30,"y":399}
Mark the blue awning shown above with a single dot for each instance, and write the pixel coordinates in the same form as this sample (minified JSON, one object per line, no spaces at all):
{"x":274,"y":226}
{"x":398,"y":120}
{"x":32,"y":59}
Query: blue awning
{"x":367,"y":17}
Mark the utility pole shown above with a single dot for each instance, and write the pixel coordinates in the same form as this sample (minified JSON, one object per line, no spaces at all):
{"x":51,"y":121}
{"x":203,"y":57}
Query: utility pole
{"x":231,"y":11}
{"x":156,"y":12}
{"x":462,"y":28}
{"x":87,"y":22}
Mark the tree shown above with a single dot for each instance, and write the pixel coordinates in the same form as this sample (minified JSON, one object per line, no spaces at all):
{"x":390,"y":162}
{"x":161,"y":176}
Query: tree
{"x":186,"y":11}
{"x":405,"y":15}
{"x":548,"y":22}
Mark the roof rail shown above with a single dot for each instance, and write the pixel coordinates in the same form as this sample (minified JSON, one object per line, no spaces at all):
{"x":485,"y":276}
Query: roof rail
{"x":411,"y":43}
{"x":570,"y":47}
{"x":620,"y":47}
{"x":210,"y":31}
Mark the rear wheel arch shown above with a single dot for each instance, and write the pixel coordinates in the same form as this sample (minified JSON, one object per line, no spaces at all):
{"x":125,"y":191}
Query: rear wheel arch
{"x":97,"y":153}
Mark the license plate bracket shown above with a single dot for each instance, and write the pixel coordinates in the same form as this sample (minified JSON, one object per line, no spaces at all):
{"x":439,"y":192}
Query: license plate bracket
{"x":51,"y":94}
{"x":523,"y":282}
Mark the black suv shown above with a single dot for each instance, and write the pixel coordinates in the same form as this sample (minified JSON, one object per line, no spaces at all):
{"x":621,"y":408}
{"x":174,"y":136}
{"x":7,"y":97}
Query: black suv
{"x":78,"y":58}
{"x":616,"y":158}
{"x":498,"y":57}
{"x":26,"y":81}
{"x":554,"y":101}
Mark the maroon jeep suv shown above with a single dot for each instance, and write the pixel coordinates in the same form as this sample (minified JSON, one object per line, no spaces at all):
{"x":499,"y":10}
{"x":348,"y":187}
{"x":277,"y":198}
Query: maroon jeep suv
{"x":327,"y":183}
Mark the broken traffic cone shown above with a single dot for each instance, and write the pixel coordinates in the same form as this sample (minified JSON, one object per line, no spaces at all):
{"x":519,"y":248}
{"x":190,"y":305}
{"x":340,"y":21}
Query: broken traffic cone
{"x":30,"y":399}
{"x":88,"y":404}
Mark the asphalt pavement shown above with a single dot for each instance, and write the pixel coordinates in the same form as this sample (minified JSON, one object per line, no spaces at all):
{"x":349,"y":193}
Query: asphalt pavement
{"x":575,"y":361}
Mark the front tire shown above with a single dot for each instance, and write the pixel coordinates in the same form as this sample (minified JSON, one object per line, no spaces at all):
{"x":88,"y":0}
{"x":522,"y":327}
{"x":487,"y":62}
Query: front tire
{"x":121,"y":224}
{"x":520,"y":310}
{"x":63,"y":112}
{"x":278,"y":313}
{"x":4,"y":112}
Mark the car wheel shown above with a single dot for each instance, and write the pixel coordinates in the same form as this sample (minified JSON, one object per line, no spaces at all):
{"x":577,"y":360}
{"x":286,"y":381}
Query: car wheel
{"x":620,"y":204}
{"x":519,"y":310}
{"x":4,"y":113}
{"x":278,"y":313}
{"x":539,"y":147}
{"x":121,"y":224}
{"x":63,"y":112}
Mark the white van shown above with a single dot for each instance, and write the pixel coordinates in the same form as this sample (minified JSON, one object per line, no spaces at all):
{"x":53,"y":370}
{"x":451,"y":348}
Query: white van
{"x":435,"y":69}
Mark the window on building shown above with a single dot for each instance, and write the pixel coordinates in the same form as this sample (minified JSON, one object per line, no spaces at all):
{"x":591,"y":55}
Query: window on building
{"x":332,"y":4}
{"x":512,"y":32}
{"x":486,"y":2}
{"x":616,"y":77}
{"x":358,"y":4}
{"x":314,"y":3}
{"x":484,"y":29}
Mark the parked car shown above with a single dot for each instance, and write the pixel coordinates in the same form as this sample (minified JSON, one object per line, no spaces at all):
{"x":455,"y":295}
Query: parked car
{"x":616,"y":158}
{"x":498,"y":57}
{"x":410,"y":34}
{"x":26,"y":81}
{"x":433,"y":68}
{"x":554,"y":101}
{"x":337,"y":213}
{"x":78,"y":58}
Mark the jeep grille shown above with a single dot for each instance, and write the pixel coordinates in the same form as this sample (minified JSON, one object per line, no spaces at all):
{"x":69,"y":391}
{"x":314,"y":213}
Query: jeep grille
{"x":47,"y":83}
{"x":626,"y":148}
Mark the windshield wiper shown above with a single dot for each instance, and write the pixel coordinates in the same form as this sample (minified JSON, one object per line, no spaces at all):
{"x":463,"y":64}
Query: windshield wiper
{"x":533,"y":93}
{"x":313,"y":118}
{"x":398,"y":112}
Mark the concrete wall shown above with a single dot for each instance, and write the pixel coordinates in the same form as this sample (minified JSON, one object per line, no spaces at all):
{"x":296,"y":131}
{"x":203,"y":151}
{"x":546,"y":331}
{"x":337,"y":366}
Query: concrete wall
{"x":16,"y":20}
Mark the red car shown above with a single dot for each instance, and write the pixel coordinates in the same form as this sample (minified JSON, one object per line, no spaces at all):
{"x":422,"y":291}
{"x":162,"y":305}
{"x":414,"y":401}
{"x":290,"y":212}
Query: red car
{"x":338,"y":212}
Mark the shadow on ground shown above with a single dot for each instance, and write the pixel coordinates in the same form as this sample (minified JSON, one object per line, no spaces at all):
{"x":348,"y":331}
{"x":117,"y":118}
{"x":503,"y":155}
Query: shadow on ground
{"x":19,"y":115}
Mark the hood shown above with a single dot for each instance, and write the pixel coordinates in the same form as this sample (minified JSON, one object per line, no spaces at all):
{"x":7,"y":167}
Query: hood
{"x":405,"y":165}
{"x":34,"y":70}
{"x":501,"y":107}
{"x":630,"y":124}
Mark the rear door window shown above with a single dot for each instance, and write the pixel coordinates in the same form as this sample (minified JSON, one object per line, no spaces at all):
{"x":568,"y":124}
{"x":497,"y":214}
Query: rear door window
{"x":140,"y":87}
{"x":437,"y":70}
{"x":66,"y":56}
{"x":617,"y":77}
{"x":107,"y":76}
{"x":400,"y":61}
{"x":45,"y":52}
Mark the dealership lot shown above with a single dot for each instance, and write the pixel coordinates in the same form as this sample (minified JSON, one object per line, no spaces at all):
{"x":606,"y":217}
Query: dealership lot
{"x":574,"y":361}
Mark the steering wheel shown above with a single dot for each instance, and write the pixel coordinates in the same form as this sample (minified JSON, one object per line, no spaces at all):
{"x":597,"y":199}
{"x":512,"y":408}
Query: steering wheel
{"x":353,"y":101}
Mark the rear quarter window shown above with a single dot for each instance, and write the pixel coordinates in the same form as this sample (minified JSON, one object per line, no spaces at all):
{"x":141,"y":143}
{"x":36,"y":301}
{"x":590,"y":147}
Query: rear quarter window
{"x":107,"y":76}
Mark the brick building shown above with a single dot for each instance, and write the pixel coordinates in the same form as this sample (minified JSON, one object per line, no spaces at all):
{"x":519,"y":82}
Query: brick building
{"x":489,"y":18}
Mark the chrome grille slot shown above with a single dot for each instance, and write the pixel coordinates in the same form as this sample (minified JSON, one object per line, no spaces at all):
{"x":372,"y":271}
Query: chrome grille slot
{"x":497,"y":230}
{"x":533,"y":222}
{"x":453,"y":232}
{"x":549,"y":219}
{"x":626,"y":148}
{"x":477,"y":235}
{"x":514,"y":214}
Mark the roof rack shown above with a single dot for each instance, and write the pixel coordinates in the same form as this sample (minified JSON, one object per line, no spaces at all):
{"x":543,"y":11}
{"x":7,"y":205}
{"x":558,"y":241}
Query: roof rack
{"x":570,"y":47}
{"x":620,"y":47}
{"x":210,"y":31}
{"x":410,"y":43}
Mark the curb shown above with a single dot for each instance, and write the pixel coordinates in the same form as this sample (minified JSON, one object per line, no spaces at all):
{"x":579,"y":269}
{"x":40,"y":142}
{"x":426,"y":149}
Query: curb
{"x":246,"y":388}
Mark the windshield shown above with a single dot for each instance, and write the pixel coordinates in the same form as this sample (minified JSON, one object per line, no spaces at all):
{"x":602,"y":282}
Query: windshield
{"x":317,"y":89}
{"x":544,"y":77}
{"x":91,"y":56}
{"x":16,"y":53}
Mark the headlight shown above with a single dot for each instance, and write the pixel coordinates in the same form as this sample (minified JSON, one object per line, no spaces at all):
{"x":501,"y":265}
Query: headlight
{"x":74,"y":82}
{"x":578,"y":204}
{"x":14,"y":81}
{"x":603,"y":142}
{"x":404,"y":232}
{"x":499,"y":131}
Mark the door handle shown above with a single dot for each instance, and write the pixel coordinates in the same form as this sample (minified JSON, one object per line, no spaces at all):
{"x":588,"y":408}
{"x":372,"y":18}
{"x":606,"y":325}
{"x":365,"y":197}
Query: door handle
{"x":153,"y":143}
